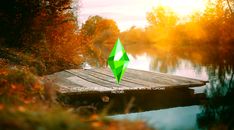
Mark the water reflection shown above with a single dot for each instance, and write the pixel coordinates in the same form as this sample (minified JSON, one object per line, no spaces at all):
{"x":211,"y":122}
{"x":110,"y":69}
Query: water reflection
{"x":206,"y":63}
{"x":181,"y":118}
{"x":218,"y":110}
{"x":184,"y":68}
{"x":141,"y":62}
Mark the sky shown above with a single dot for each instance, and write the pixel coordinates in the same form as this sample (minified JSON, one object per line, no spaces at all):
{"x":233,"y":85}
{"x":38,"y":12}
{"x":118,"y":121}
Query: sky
{"x":128,"y":13}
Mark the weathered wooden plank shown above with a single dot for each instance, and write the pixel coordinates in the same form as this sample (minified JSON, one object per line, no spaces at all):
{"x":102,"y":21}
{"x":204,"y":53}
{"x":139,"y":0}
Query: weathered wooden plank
{"x":168,"y":76}
{"x":106,"y":80}
{"x":60,"y":79}
{"x":175,"y":80}
{"x":71,"y":83}
{"x":128,"y":78}
{"x":103,"y":81}
{"x":156,"y":78}
{"x":142,"y":76}
{"x":89,"y":78}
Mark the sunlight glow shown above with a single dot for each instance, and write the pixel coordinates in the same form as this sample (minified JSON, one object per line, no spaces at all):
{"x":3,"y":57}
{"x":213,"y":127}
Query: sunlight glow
{"x":182,"y":7}
{"x":129,"y":13}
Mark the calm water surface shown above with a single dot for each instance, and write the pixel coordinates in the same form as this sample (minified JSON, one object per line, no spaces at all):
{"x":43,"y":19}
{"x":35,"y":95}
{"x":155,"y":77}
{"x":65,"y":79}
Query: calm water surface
{"x":171,"y":118}
{"x":204,"y":107}
{"x":187,"y":116}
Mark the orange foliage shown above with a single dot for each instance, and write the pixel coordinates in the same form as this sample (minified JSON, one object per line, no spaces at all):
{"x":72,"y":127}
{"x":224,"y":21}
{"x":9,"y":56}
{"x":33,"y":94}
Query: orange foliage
{"x":59,"y":44}
{"x":62,"y":39}
{"x":18,"y":87}
{"x":100,"y":35}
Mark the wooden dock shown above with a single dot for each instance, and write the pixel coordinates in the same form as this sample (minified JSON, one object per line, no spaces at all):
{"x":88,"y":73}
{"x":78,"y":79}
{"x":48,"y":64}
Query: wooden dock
{"x":96,"y":81}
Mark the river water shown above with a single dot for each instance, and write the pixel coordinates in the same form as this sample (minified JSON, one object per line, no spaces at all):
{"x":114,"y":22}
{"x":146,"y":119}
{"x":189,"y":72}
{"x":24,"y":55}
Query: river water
{"x":194,"y":116}
{"x":205,"y":107}
{"x":170,"y":118}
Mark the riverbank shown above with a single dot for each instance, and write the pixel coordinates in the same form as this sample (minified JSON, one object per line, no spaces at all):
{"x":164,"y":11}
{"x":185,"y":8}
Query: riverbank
{"x":28,"y":103}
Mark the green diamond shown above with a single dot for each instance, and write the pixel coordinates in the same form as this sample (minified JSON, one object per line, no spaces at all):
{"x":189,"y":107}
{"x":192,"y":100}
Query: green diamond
{"x":118,"y":61}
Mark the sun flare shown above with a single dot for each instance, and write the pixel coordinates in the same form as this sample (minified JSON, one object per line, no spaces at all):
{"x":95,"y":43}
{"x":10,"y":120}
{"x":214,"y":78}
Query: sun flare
{"x":183,"y":7}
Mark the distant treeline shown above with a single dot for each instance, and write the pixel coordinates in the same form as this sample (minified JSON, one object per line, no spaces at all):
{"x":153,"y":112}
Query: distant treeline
{"x":48,"y":31}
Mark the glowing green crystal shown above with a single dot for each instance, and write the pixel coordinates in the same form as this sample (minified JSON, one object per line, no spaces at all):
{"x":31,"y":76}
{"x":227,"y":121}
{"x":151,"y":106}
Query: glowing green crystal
{"x":118,"y":61}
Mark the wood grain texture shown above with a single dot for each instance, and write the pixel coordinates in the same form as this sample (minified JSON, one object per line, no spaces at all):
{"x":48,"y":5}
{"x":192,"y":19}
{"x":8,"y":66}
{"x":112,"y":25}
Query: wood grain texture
{"x":102,"y":81}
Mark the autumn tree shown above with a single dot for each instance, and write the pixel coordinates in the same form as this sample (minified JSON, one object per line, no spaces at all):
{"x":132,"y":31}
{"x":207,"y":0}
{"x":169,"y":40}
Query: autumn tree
{"x":60,"y":44}
{"x":17,"y":16}
{"x":45,"y":29}
{"x":162,"y":16}
{"x":218,"y":22}
{"x":100,"y":34}
{"x":162,"y":22}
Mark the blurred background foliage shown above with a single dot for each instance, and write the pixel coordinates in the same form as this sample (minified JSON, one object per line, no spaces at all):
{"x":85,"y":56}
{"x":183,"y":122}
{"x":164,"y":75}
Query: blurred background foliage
{"x":39,"y":37}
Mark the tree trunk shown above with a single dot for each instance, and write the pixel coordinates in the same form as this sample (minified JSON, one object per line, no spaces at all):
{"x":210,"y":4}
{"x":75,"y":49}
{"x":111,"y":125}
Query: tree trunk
{"x":229,"y":6}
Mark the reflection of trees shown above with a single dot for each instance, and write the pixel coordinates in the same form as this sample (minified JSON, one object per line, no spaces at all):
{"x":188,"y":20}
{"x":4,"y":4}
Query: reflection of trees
{"x":100,"y":35}
{"x":207,"y":40}
{"x":165,"y":63}
{"x":218,"y":110}
{"x":202,"y":40}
